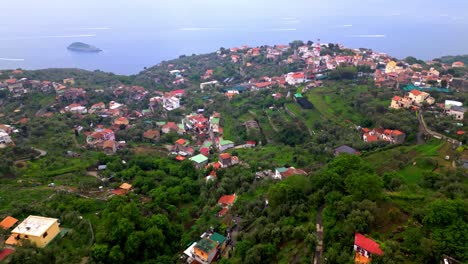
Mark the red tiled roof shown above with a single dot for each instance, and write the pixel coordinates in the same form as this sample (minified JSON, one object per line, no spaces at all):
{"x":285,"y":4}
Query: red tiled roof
{"x":461,"y":132}
{"x":365,"y":130}
{"x":251,"y":143}
{"x":396,"y":98}
{"x":205,"y":151}
{"x":415,"y":92}
{"x":367,"y":244}
{"x":180,"y":141}
{"x":151,"y":134}
{"x":298,"y":75}
{"x":177,"y":92}
{"x":397,"y":132}
{"x":262,"y":84}
{"x":371,"y":138}
{"x":8,"y":222}
{"x":5,"y":253}
{"x":227,"y":199}
{"x":109,"y":144}
{"x":180,"y":158}
{"x":119,"y":191}
{"x":293,"y":171}
{"x":223,"y":211}
{"x":225,"y":156}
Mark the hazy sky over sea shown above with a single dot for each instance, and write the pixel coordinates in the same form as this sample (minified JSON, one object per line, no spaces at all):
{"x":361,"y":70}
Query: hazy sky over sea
{"x":34,"y":34}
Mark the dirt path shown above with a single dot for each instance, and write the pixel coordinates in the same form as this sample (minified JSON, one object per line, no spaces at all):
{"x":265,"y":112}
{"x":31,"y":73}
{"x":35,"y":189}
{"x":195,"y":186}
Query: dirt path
{"x":319,"y":248}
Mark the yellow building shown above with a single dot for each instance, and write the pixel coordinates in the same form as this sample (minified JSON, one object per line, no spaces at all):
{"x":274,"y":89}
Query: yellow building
{"x":391,"y":67}
{"x":37,"y":229}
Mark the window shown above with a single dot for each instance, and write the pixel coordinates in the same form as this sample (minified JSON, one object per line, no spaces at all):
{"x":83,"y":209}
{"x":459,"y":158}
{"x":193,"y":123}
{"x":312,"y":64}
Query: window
{"x":44,"y":235}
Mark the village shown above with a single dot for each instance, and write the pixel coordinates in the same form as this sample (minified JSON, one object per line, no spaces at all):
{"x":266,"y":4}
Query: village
{"x":198,"y":135}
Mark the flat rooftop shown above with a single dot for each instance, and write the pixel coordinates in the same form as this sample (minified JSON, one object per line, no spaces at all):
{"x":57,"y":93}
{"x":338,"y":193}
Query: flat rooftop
{"x":34,"y":225}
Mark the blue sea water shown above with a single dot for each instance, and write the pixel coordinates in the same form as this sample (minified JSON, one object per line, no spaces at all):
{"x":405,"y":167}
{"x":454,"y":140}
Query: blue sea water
{"x":141,"y":35}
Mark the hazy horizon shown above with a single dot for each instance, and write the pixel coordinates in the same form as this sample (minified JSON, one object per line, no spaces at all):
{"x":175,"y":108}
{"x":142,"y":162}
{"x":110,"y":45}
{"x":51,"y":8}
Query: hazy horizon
{"x":141,"y":33}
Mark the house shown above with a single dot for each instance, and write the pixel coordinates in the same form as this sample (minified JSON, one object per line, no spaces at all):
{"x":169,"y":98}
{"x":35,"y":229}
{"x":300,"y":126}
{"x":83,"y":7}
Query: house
{"x":76,"y":109}
{"x":282,"y":173}
{"x":208,"y":249}
{"x":109,"y":146}
{"x":205,"y":251}
{"x":458,"y":64}
{"x":170,"y":127}
{"x":457,"y":112}
{"x":380,"y":134}
{"x":225,"y":144}
{"x":390,"y":67}
{"x":121,"y":121}
{"x":365,"y":248}
{"x":152,"y":135}
{"x":399,"y":102}
{"x":69,"y":81}
{"x":171,"y":102}
{"x":345,"y":150}
{"x":97,"y":107}
{"x":99,"y":136}
{"x":8,"y":222}
{"x":180,"y":145}
{"x":226,"y":160}
{"x":207,"y":74}
{"x":226,"y":202}
{"x":417,"y":96}
{"x":5,"y":138}
{"x":199,"y":160}
{"x":123,"y":189}
{"x":37,"y":229}
{"x":294,"y":78}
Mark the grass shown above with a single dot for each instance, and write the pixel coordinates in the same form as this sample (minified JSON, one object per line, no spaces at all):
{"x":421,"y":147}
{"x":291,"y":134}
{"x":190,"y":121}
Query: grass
{"x":410,"y":162}
{"x":333,"y":103}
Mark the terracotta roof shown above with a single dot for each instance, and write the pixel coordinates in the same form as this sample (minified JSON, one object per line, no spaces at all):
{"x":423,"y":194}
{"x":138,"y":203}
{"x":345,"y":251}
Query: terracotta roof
{"x":396,"y":98}
{"x":262,"y":84}
{"x":125,"y":186}
{"x":365,"y":130}
{"x":8,"y":222}
{"x":108,"y":144}
{"x":179,"y":158}
{"x":397,"y":132}
{"x":223,"y":211}
{"x":367,"y":244}
{"x":119,"y":192}
{"x":292,"y":171}
{"x":225,"y":156}
{"x":461,"y":132}
{"x":5,"y":253}
{"x":227,"y":199}
{"x":371,"y":138}
{"x":11,"y":240}
{"x":121,"y":121}
{"x":415,"y":92}
{"x":151,"y":134}
{"x":180,"y":141}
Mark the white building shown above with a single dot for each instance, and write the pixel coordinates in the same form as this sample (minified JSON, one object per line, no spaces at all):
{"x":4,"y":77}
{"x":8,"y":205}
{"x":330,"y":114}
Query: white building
{"x":171,"y":103}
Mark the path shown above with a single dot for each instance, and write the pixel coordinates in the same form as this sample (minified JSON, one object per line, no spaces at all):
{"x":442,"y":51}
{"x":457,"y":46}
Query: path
{"x":319,"y":248}
{"x":42,"y":153}
{"x":433,"y":133}
{"x":295,"y":116}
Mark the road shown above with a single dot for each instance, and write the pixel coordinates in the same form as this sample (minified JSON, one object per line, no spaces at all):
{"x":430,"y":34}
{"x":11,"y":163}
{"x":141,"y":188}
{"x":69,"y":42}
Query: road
{"x":427,"y":131}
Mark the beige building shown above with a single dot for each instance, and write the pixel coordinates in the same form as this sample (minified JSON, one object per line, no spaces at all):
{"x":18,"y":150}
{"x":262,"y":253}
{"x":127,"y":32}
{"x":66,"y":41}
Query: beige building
{"x":37,"y":229}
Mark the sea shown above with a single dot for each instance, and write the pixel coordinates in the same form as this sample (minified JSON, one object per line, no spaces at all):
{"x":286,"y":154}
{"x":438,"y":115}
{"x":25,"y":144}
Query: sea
{"x":144,"y":37}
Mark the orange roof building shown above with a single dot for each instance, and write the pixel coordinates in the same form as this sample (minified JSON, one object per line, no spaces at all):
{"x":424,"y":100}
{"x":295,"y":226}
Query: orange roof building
{"x":8,"y":222}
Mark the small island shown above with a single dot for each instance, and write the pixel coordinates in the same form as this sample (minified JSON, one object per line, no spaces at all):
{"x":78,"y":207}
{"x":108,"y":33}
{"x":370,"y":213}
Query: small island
{"x":83,"y":47}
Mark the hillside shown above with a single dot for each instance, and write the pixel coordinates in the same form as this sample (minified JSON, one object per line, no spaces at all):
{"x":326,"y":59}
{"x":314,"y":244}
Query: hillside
{"x":240,"y":145}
